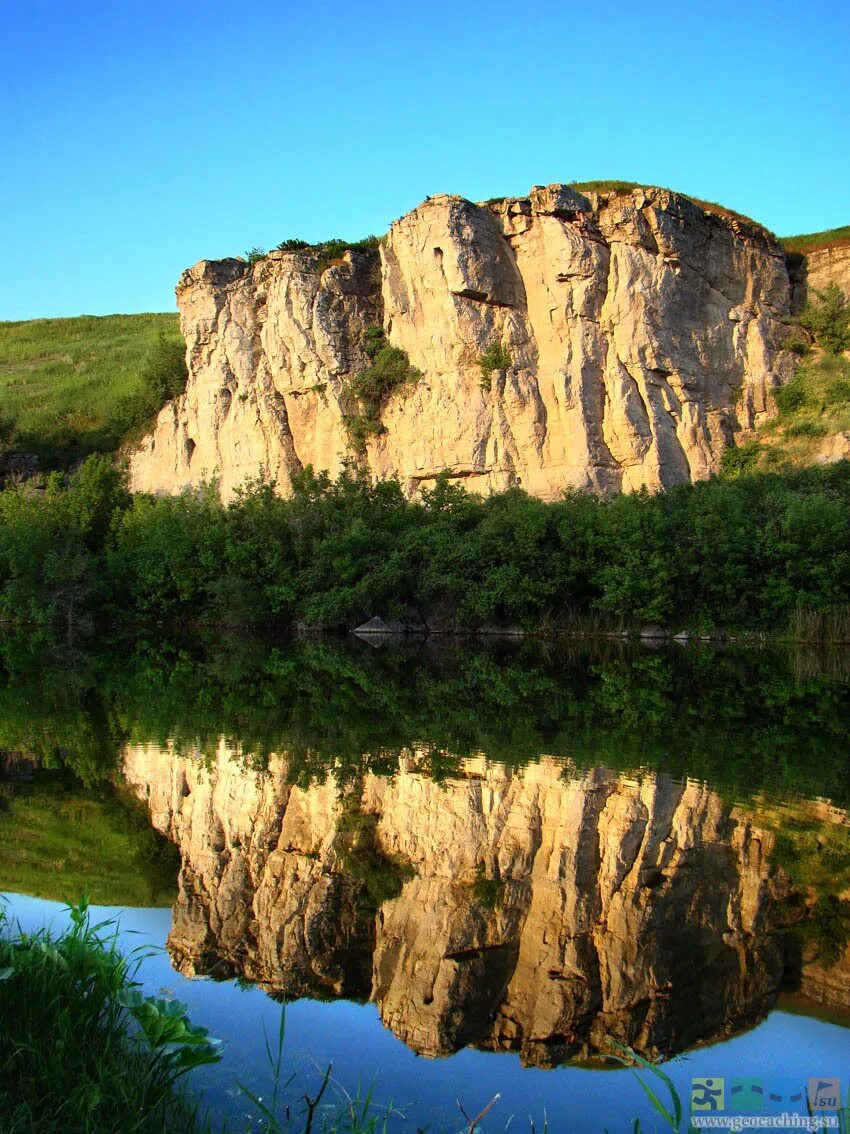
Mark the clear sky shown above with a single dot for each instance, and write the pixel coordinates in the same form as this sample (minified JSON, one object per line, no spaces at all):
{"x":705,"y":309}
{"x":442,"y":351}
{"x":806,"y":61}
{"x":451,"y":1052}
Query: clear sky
{"x":140,"y":136}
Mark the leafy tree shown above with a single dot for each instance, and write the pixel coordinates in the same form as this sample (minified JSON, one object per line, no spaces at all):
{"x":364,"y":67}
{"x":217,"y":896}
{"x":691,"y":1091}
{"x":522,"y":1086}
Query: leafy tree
{"x":163,"y":377}
{"x":829,"y":319}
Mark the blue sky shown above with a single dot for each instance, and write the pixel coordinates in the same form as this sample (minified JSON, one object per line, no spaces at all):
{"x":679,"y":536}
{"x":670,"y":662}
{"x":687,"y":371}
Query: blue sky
{"x":140,"y":137}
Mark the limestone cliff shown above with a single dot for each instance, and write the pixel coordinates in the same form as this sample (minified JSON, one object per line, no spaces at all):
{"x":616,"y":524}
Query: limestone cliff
{"x":643,"y":334}
{"x":542,"y":910}
{"x":812,"y":272}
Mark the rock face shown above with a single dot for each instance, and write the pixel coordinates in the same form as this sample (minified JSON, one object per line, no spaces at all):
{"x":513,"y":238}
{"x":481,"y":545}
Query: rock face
{"x":542,"y":910}
{"x":643,"y":334}
{"x":811,"y":273}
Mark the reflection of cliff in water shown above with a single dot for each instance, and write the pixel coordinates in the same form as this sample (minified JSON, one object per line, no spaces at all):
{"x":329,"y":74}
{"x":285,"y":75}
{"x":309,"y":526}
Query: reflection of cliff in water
{"x":540,"y":909}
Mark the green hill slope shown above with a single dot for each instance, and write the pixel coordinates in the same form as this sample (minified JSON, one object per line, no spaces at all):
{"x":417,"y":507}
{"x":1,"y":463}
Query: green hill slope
{"x":63,"y":381}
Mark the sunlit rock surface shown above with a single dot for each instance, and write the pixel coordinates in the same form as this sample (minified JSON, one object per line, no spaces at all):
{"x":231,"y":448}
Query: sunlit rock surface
{"x":643,"y":334}
{"x":541,"y":909}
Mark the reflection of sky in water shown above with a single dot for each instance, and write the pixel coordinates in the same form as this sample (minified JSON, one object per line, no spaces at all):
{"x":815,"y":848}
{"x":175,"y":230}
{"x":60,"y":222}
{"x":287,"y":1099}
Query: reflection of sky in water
{"x":351,"y":1036}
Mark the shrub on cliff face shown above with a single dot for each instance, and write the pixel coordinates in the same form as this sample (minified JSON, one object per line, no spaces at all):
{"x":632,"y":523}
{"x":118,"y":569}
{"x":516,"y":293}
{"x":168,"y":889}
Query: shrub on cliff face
{"x":829,"y":319}
{"x":389,"y":370}
{"x":495,"y":357}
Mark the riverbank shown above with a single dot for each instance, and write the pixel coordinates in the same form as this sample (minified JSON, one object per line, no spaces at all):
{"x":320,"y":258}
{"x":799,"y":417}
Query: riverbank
{"x":767,"y":554}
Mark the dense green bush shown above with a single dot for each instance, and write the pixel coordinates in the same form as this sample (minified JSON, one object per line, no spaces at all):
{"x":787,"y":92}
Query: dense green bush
{"x":791,"y":397}
{"x":81,"y":1049}
{"x":829,"y":319}
{"x":389,"y":371}
{"x":163,"y":377}
{"x":293,"y":244}
{"x":741,"y":552}
{"x":495,"y":357}
{"x":739,"y":460}
{"x":807,"y":428}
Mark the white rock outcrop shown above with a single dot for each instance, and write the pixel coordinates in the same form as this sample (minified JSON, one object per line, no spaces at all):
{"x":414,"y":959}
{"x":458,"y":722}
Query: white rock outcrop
{"x":643,"y":334}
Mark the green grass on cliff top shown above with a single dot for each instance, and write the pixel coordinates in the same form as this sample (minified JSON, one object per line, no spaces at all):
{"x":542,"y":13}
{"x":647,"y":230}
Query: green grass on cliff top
{"x":62,"y":380}
{"x":811,"y":241}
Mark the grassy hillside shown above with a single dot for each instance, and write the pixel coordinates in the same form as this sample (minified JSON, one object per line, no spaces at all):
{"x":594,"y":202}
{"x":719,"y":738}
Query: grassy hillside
{"x":812,"y":241}
{"x":813,"y":406}
{"x":62,"y":381}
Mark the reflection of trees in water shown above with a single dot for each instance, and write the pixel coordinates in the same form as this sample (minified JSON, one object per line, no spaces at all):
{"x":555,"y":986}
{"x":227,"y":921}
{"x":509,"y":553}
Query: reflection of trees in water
{"x":744,"y":720}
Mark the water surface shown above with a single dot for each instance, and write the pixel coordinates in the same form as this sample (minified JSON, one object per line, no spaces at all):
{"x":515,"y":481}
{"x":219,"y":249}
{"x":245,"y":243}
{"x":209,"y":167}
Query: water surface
{"x":468,"y":870}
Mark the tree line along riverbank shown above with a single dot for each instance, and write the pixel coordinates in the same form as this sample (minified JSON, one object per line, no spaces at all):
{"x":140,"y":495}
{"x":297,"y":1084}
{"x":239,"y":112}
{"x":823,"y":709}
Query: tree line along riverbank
{"x":765,"y":553}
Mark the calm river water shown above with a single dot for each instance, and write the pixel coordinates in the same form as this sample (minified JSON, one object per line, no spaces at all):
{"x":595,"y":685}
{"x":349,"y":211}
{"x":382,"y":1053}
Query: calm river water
{"x":462,"y":871}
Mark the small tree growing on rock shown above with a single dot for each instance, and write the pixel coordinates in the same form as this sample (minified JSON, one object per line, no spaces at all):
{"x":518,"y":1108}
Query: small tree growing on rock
{"x":829,"y":319}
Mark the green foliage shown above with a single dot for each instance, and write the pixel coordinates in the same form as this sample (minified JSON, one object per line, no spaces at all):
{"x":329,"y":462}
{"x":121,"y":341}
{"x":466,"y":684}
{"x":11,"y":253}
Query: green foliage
{"x":69,"y":1056}
{"x":344,"y":711}
{"x":374,"y":340}
{"x":837,"y":391}
{"x":605,"y":186}
{"x":361,"y":856}
{"x":740,"y":460}
{"x":495,"y":357}
{"x":163,"y":376}
{"x":829,"y":319}
{"x":293,"y":244}
{"x":388,"y":372}
{"x":792,"y":396}
{"x":255,"y":254}
{"x":670,"y":1109}
{"x":331,"y":251}
{"x":814,"y":404}
{"x":807,"y":429}
{"x":359,"y":428}
{"x":797,"y":343}
{"x":744,"y":551}
{"x":51,"y":543}
{"x":58,"y":838}
{"x":809,"y":242}
{"x":62,"y":381}
{"x":489,"y":893}
{"x":829,"y":928}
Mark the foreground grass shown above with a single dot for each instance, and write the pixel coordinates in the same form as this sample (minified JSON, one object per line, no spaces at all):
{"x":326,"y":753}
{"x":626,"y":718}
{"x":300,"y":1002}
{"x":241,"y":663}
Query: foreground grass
{"x":80,"y":1049}
{"x":62,"y":381}
{"x":83,"y":1051}
{"x":59,"y":839}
